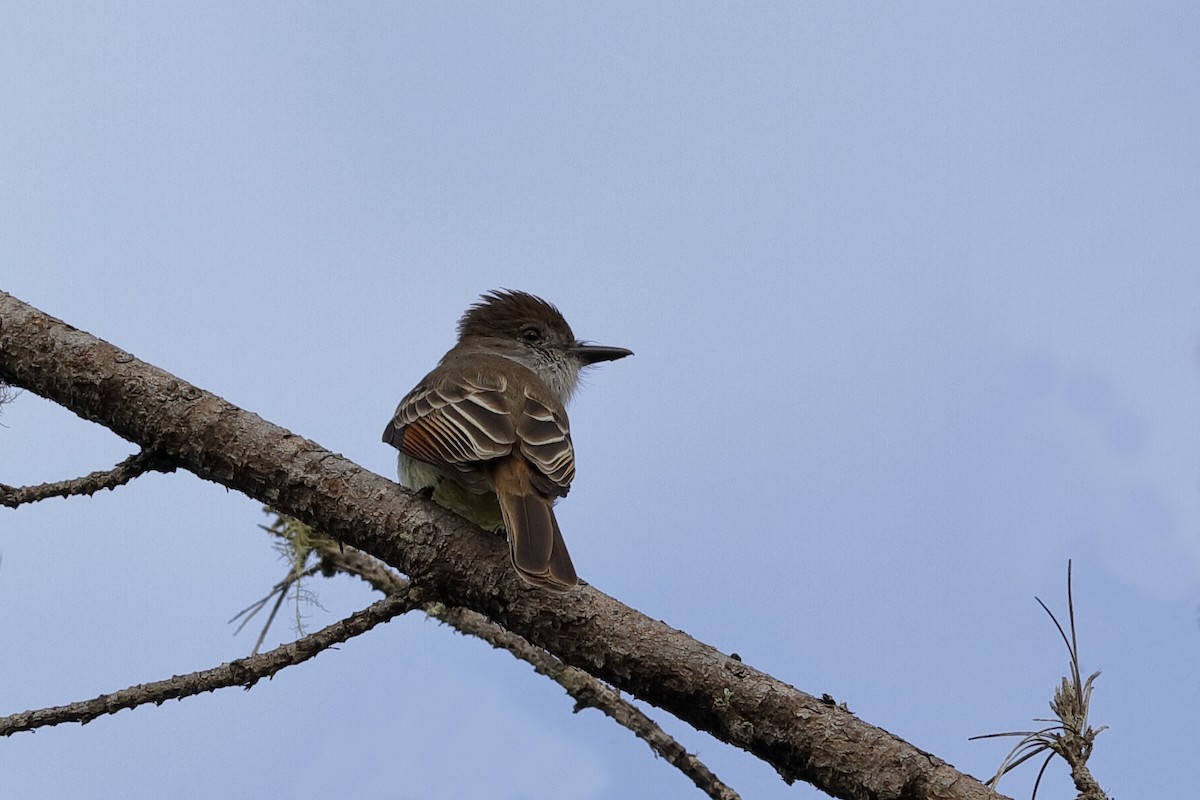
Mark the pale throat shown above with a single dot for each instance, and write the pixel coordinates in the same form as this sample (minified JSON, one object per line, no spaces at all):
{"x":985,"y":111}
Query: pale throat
{"x":560,"y":373}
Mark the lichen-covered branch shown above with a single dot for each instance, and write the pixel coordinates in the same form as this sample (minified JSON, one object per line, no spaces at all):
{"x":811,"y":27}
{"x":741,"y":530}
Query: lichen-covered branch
{"x":801,"y":737}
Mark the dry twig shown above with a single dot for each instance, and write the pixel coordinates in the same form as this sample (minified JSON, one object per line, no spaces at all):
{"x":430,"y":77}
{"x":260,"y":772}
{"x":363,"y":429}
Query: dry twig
{"x":137,"y":464}
{"x":244,"y":672}
{"x":279,"y":591}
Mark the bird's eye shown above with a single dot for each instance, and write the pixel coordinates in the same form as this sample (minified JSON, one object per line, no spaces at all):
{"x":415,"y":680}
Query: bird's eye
{"x":531,"y":334}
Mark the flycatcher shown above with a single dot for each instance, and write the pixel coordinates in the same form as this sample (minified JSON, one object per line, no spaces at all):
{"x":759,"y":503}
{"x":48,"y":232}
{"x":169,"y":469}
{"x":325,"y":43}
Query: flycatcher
{"x":487,"y":430}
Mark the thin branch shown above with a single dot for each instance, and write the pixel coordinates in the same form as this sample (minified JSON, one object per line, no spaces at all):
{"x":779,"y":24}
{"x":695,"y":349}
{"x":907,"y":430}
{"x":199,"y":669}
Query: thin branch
{"x":585,"y":689}
{"x":137,"y":464}
{"x":351,"y":561}
{"x":244,"y":672}
{"x":588,"y":692}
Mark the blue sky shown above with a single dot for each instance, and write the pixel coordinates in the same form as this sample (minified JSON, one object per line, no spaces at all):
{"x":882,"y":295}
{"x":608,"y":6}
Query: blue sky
{"x":913,"y":291}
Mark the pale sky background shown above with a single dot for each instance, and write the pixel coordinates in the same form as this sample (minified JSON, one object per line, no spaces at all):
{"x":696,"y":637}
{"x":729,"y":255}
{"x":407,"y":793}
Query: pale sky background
{"x":915,"y":295}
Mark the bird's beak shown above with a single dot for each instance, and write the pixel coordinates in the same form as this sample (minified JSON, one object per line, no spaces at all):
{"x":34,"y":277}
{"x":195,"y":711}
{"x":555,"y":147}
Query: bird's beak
{"x":595,"y":353}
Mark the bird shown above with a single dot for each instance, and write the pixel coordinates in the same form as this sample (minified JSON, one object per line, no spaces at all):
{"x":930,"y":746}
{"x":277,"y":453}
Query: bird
{"x":486,"y":434}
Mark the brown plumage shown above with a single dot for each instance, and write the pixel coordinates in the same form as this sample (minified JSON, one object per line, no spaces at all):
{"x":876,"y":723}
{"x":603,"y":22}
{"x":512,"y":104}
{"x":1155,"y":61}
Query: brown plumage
{"x":492,"y":420}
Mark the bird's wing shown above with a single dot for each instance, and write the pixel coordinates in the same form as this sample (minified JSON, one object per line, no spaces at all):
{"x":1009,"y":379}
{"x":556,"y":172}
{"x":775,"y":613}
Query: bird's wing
{"x":545,"y":440}
{"x":455,"y":424}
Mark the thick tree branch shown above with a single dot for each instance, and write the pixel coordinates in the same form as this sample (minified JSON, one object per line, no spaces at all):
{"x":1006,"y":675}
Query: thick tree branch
{"x":137,"y":464}
{"x":244,"y":672}
{"x":796,"y":733}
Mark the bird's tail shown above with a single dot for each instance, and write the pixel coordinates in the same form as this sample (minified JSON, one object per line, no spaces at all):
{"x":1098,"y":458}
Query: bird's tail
{"x":534,"y":539}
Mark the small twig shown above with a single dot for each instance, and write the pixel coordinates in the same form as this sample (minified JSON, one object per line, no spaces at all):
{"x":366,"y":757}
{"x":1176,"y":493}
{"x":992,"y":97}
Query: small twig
{"x":137,"y":464}
{"x":262,"y":635}
{"x":244,"y":672}
{"x":281,"y":589}
{"x":587,"y":690}
{"x":249,"y":612}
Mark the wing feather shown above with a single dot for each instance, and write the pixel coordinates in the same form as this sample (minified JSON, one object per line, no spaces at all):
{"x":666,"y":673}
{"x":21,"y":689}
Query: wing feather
{"x":455,"y":424}
{"x":460,"y":422}
{"x":546,"y":442}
